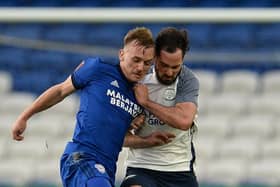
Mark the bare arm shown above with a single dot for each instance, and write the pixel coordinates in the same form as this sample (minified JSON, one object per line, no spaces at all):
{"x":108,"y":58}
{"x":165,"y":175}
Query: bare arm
{"x":154,"y":139}
{"x":180,"y":116}
{"x":50,"y":97}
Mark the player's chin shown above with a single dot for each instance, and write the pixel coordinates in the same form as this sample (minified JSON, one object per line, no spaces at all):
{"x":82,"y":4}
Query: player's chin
{"x":167,"y":81}
{"x":137,"y":77}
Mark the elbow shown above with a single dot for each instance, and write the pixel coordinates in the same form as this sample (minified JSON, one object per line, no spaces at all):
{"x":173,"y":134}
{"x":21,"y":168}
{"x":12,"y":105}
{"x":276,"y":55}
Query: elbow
{"x":185,"y":125}
{"x":126,"y":143}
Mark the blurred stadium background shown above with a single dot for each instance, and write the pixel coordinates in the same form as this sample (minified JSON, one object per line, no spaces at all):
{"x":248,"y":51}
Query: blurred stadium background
{"x":236,"y":60}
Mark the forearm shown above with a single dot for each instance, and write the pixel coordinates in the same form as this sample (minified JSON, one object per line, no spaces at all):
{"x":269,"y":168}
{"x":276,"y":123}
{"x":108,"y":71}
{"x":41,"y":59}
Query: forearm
{"x":175,"y":116}
{"x":47,"y":99}
{"x":134,"y":141}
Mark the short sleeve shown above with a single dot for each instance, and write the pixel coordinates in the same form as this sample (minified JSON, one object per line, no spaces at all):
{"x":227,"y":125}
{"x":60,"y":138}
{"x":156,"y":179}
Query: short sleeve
{"x":188,"y":88}
{"x":82,"y":76}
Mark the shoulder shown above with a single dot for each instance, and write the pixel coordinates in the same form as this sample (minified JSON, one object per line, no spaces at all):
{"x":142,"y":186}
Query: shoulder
{"x":187,"y":76}
{"x":92,"y":60}
{"x":187,"y":87}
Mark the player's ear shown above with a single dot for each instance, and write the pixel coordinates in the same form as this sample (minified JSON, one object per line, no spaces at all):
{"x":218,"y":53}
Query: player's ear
{"x":121,"y":55}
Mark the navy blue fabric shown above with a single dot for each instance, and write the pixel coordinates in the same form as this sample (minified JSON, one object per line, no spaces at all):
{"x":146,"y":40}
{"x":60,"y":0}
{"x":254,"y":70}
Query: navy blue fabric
{"x":152,"y":178}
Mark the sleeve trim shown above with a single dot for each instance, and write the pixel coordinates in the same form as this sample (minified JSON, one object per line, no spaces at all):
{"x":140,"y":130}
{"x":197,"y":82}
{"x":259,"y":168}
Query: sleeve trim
{"x":74,"y":82}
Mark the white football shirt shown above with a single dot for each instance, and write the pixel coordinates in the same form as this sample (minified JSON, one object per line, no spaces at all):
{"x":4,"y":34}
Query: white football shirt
{"x":177,"y":155}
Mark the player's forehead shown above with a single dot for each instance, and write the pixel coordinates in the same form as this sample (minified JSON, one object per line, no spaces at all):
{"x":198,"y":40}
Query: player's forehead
{"x":135,"y":48}
{"x":172,"y":59}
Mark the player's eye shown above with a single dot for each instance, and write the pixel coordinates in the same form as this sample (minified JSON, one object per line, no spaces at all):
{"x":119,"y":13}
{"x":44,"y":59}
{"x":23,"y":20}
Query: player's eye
{"x":136,"y":60}
{"x":148,"y":63}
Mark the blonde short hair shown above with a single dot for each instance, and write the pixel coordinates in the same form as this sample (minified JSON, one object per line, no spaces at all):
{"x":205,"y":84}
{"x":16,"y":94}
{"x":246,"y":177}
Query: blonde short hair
{"x":142,"y":35}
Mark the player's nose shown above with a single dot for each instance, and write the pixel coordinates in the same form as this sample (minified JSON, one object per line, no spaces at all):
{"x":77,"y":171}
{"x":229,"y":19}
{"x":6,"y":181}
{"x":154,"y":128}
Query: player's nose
{"x":169,"y":73}
{"x":140,"y":66}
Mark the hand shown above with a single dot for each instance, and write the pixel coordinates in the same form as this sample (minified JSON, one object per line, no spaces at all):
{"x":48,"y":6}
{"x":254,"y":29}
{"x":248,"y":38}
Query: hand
{"x":141,"y":93}
{"x":18,"y":128}
{"x":138,"y":122}
{"x":158,"y":138}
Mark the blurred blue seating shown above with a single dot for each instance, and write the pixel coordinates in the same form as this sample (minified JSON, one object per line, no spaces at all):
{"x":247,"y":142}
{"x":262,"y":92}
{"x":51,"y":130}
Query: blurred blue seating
{"x":268,"y":36}
{"x":106,"y":34}
{"x":32,"y":81}
{"x":236,"y":36}
{"x":66,"y":32}
{"x":32,"y":31}
{"x":74,"y":59}
{"x":47,"y":60}
{"x":12,"y":58}
{"x":2,"y":28}
{"x":203,"y":37}
{"x":8,"y":3}
{"x":200,"y":36}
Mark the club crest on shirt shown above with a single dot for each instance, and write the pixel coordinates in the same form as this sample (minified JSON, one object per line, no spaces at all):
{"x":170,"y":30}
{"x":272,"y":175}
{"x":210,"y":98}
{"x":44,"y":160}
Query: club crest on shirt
{"x":100,"y":168}
{"x":169,"y":94}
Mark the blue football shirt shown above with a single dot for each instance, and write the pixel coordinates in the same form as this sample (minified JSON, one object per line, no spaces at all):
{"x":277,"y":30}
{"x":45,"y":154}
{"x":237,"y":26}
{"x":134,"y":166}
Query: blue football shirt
{"x":107,"y":106}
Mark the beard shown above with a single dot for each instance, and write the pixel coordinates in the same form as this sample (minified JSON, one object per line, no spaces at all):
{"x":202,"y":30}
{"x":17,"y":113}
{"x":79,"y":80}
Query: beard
{"x":167,"y":81}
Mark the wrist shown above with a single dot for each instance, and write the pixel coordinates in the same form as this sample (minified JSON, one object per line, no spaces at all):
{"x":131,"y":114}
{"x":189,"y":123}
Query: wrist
{"x":25,"y":116}
{"x":145,"y":103}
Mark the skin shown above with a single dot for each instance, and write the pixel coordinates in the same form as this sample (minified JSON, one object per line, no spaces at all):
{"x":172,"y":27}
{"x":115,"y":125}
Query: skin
{"x":181,"y":116}
{"x":50,"y":97}
{"x":154,"y":139}
{"x":135,"y":60}
{"x":168,"y":66}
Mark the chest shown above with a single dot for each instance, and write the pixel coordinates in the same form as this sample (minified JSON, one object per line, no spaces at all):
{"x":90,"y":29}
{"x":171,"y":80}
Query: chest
{"x":113,"y":94}
{"x":165,"y":95}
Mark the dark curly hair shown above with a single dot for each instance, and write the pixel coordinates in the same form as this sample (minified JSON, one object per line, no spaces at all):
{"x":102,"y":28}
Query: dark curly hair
{"x":171,"y":38}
